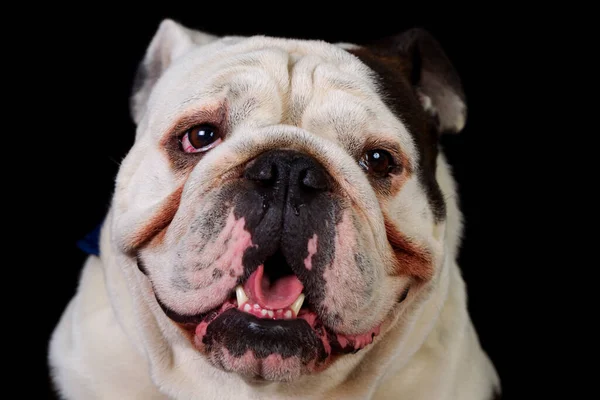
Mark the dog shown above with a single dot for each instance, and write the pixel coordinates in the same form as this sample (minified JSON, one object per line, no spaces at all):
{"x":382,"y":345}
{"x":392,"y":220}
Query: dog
{"x":285,"y":226}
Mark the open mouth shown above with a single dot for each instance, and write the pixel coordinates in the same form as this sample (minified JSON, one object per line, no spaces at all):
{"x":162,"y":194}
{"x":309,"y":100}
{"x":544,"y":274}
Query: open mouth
{"x":268,"y":329}
{"x":272,"y":291}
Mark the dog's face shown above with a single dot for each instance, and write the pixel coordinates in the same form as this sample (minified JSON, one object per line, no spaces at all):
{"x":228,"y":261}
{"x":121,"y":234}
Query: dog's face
{"x":281,"y":200}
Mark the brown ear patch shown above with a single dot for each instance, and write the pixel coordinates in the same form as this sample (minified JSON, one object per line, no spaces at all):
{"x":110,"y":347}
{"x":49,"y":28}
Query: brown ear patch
{"x":155,"y":229}
{"x":409,"y":258}
{"x":393,"y":73}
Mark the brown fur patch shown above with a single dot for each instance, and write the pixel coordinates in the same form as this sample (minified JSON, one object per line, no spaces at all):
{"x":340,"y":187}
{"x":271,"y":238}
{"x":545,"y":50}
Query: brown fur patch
{"x":158,"y":238}
{"x":410,"y":259}
{"x":154,"y":230}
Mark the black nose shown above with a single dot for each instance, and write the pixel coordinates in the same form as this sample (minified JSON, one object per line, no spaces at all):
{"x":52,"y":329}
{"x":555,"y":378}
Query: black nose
{"x":296,"y":176}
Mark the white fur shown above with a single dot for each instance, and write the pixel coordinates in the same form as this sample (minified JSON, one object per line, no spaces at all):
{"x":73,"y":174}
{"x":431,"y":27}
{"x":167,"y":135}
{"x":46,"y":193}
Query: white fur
{"x":114,"y":342}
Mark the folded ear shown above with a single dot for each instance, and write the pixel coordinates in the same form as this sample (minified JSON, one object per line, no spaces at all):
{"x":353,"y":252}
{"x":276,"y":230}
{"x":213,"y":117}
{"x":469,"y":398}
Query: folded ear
{"x":432,"y":75}
{"x":171,"y":41}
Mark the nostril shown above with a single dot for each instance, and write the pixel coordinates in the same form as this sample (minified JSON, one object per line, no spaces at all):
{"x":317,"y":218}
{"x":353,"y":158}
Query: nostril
{"x":265,"y":172}
{"x":313,"y":178}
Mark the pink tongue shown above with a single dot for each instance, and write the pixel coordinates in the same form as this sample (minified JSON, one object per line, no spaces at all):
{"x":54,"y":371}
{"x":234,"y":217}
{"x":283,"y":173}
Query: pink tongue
{"x":281,"y":294}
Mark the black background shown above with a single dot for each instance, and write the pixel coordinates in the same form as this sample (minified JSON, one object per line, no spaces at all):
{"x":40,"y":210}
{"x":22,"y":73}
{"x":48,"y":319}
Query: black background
{"x":85,"y":61}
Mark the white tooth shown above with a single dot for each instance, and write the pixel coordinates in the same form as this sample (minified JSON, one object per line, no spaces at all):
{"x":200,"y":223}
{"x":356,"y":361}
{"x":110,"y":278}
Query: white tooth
{"x":270,"y":312}
{"x":287,"y":315}
{"x":256,"y":307}
{"x":263,"y":312}
{"x":297,"y":304}
{"x":247,"y":307}
{"x":279,"y":312}
{"x":241,"y":295}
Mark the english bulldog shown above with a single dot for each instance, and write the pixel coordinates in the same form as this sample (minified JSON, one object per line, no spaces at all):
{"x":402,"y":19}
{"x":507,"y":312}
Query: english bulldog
{"x":285,"y":226}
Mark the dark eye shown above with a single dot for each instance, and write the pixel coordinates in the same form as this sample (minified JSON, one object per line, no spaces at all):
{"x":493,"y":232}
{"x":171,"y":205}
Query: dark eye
{"x":200,"y":138}
{"x":377,"y":162}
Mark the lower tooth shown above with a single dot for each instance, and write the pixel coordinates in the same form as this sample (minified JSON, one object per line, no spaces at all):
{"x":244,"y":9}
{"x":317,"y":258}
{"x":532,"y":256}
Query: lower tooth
{"x":287,"y":315}
{"x":270,"y":313}
{"x":263,"y":312}
{"x":247,"y":307}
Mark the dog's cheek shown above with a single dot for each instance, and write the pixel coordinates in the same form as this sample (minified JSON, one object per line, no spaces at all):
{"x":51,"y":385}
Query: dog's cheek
{"x":408,"y":257}
{"x":155,"y":228}
{"x":350,"y":279}
{"x":208,"y":264}
{"x":147,"y":196}
{"x":208,"y":259}
{"x":199,"y":261}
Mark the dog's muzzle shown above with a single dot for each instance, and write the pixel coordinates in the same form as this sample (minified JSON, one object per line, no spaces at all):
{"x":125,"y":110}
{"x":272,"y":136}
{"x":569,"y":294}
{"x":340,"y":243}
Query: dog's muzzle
{"x":274,"y":325}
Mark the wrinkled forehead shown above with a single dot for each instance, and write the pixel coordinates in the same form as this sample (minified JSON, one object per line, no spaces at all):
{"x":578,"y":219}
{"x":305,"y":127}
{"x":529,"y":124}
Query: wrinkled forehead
{"x":262,"y":81}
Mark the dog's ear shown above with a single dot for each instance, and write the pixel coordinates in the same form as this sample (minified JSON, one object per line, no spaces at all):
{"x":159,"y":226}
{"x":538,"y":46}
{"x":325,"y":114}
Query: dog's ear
{"x":433,"y":76}
{"x":170,"y":41}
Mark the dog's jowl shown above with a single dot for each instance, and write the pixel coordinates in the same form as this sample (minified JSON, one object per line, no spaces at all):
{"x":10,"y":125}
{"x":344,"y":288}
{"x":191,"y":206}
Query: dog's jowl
{"x":284,"y":226}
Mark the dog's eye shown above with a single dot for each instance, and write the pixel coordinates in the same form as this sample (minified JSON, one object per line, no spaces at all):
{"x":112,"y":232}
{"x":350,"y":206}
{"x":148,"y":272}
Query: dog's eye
{"x":377,"y":162}
{"x":200,"y":138}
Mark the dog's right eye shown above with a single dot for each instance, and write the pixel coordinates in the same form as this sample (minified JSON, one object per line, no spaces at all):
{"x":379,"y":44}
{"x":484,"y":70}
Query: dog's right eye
{"x":200,"y":138}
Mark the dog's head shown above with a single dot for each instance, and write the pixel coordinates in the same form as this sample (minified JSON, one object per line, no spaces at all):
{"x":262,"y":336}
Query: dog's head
{"x":281,"y":199}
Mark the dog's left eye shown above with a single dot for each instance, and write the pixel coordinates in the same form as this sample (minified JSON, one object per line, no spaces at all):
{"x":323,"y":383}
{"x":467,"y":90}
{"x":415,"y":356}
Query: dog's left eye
{"x":200,"y":138}
{"x":377,"y":162}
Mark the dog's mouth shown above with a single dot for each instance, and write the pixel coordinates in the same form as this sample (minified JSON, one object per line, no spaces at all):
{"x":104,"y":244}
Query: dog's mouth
{"x":267,"y":329}
{"x":272,"y":291}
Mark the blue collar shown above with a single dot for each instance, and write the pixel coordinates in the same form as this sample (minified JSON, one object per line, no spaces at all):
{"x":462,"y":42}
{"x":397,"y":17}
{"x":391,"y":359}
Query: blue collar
{"x":91,"y":242}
